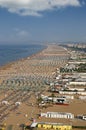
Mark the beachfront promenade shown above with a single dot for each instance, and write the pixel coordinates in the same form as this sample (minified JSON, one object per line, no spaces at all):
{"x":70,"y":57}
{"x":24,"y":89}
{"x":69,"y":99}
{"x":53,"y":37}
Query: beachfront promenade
{"x":35,"y":70}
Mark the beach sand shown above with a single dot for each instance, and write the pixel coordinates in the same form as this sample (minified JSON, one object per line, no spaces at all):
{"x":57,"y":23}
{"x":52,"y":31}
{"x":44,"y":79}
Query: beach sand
{"x":30,"y":74}
{"x":40,"y":64}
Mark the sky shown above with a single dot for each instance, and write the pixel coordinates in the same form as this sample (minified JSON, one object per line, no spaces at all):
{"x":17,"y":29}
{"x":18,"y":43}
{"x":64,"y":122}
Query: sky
{"x":42,"y":21}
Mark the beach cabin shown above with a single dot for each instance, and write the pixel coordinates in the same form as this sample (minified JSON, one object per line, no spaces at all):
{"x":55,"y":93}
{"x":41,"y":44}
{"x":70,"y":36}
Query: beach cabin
{"x":83,"y":117}
{"x":57,"y":115}
{"x":59,"y":99}
{"x":77,"y":83}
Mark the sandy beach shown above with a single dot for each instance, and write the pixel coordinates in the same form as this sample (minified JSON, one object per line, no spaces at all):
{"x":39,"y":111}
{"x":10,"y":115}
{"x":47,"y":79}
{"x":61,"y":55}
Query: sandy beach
{"x":23,"y":80}
{"x":41,"y":64}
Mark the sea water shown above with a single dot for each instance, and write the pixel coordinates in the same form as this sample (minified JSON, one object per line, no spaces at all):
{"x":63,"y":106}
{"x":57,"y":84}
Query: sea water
{"x":10,"y":53}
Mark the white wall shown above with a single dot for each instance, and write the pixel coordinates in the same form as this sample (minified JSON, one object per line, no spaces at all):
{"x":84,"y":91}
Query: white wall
{"x":58,"y":115}
{"x":77,"y":83}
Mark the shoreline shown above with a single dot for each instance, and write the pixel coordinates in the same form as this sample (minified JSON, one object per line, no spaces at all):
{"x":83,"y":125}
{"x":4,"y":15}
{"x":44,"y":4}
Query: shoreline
{"x":21,"y":59}
{"x":43,"y":63}
{"x":7,"y":65}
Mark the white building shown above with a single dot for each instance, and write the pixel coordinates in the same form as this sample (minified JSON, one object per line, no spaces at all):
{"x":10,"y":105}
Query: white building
{"x":76,"y":89}
{"x":83,"y":117}
{"x":68,"y":97}
{"x":77,"y":83}
{"x":59,"y":99}
{"x":71,"y":93}
{"x":67,"y":92}
{"x":58,"y":115}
